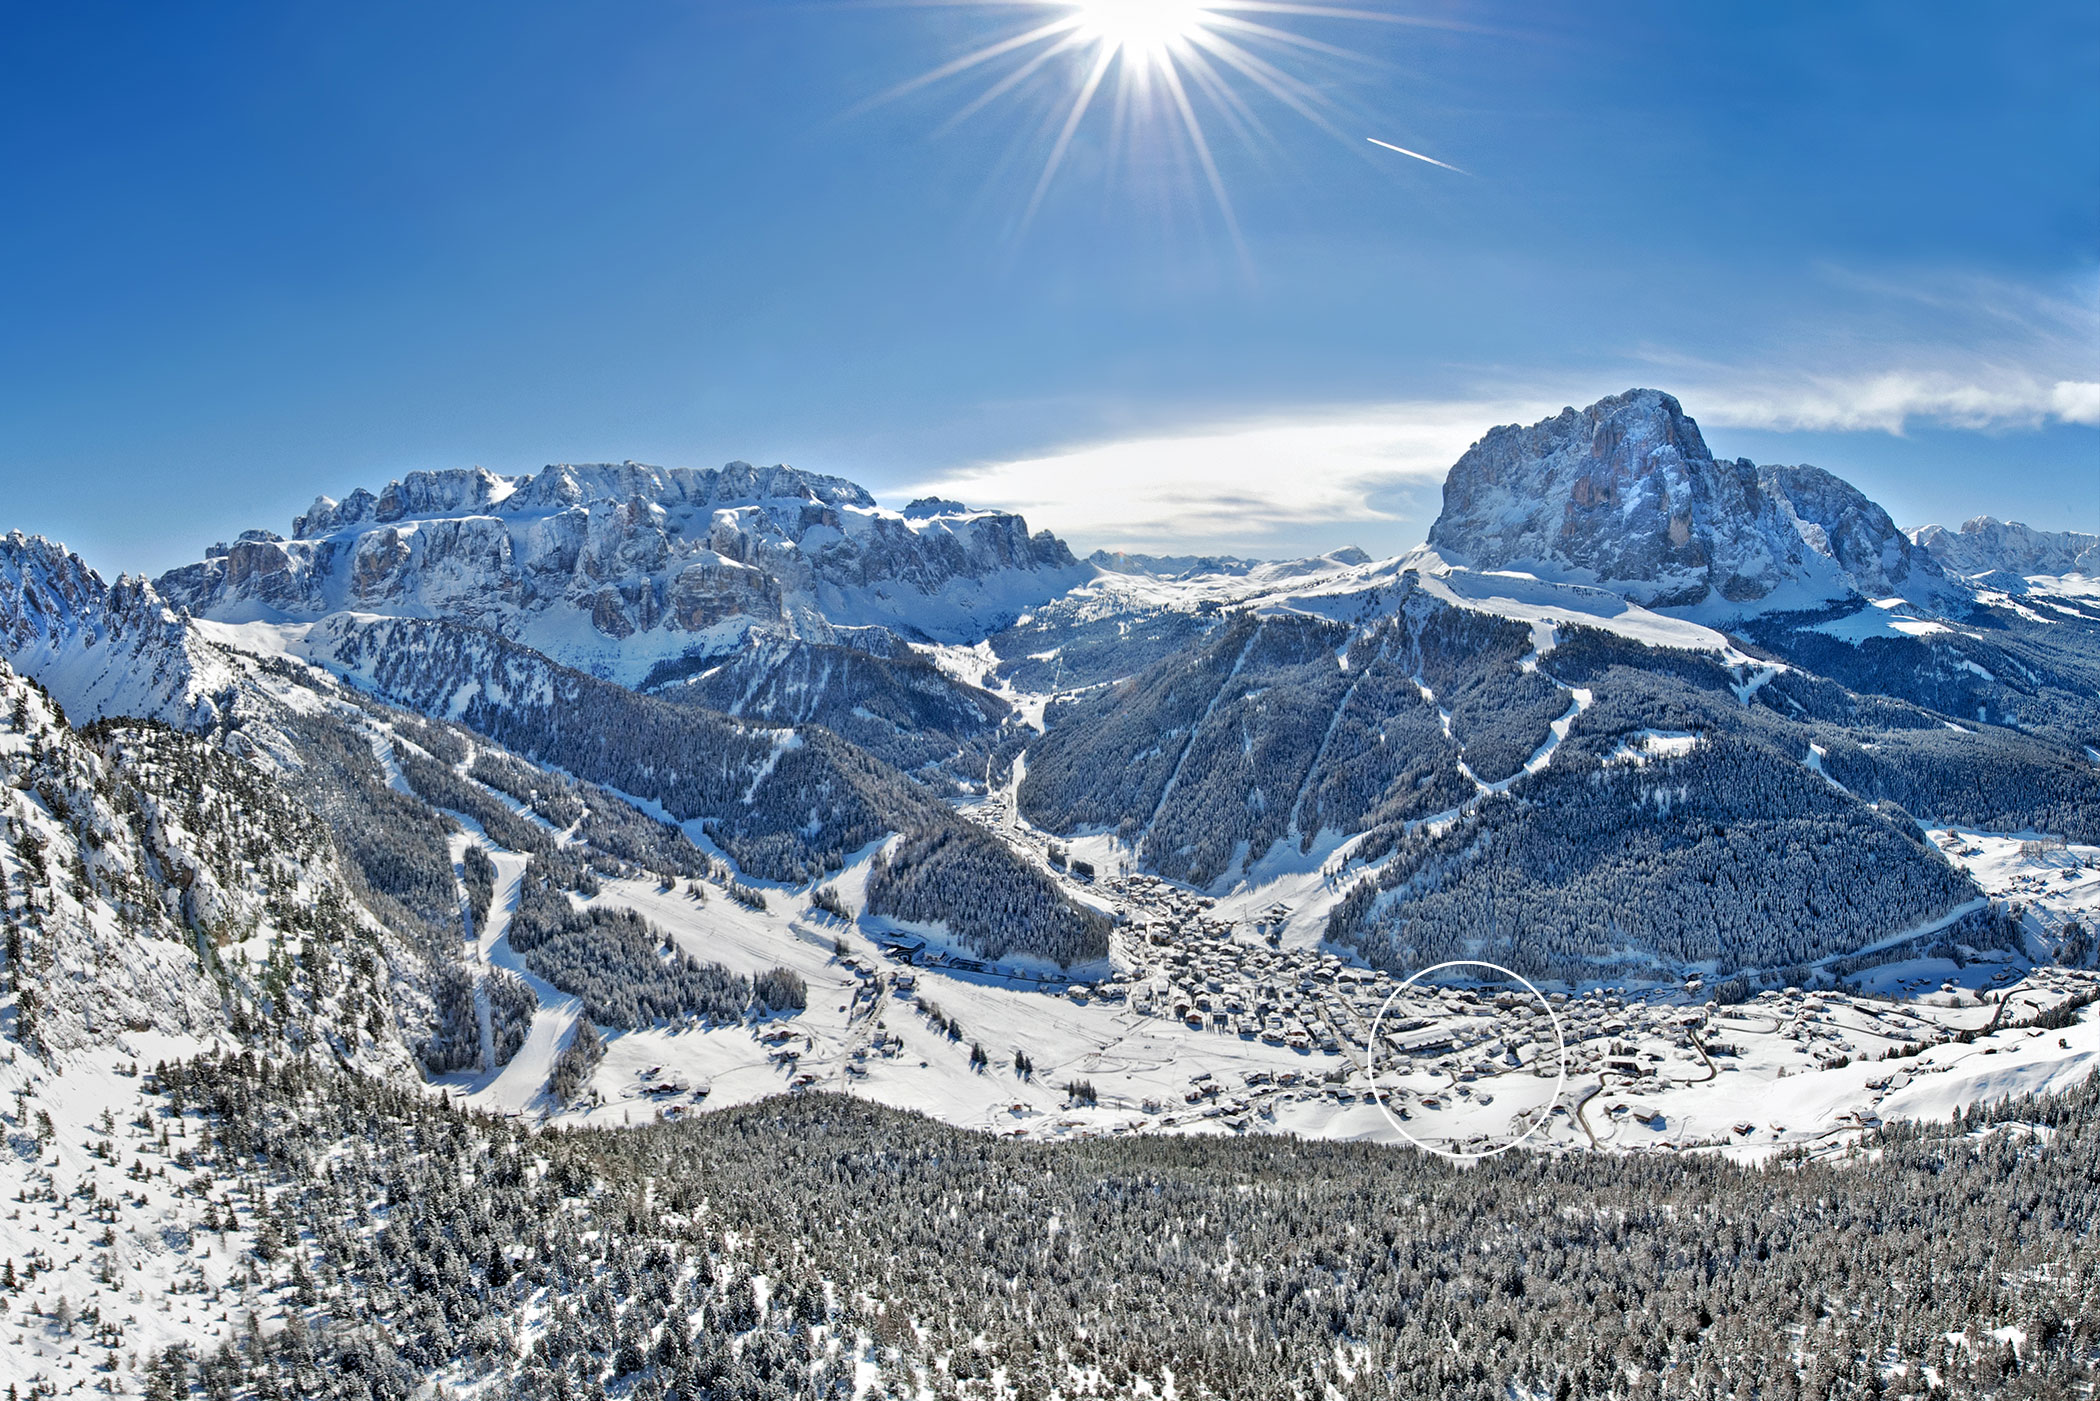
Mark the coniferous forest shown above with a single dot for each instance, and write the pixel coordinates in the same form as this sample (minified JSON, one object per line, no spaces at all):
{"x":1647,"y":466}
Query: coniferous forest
{"x":772,"y":1250}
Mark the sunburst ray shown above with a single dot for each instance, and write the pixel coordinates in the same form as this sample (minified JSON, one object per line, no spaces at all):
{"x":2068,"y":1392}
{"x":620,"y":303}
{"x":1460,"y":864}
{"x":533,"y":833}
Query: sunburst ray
{"x":1167,"y":65}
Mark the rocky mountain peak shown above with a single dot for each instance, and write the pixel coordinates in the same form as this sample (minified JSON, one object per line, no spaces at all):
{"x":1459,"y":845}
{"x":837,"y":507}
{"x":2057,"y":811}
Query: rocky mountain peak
{"x":1626,"y":495}
{"x":99,"y":648}
{"x":1841,"y":524}
{"x":1623,"y":494}
{"x":928,"y":507}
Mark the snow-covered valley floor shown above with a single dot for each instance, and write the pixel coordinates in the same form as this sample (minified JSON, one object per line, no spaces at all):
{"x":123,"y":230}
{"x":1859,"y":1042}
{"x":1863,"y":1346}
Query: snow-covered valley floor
{"x":1207,"y":1026}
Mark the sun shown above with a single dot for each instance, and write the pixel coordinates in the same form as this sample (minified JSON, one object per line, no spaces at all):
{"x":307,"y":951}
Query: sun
{"x":1146,"y":26}
{"x":1163,"y":67}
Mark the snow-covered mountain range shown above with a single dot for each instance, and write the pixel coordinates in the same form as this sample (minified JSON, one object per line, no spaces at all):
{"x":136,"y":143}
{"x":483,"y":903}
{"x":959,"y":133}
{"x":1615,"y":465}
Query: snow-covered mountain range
{"x":1987,"y":546}
{"x":618,"y":790}
{"x":820,"y":670}
{"x":791,"y":675}
{"x":620,"y":569}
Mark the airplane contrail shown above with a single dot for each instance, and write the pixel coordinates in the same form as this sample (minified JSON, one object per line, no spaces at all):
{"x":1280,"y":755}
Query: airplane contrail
{"x":1416,"y":154}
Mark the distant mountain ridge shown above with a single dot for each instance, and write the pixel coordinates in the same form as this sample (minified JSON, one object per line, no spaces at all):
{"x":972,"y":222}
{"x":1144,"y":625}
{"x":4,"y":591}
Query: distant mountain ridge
{"x":1985,"y":545}
{"x":618,"y":568}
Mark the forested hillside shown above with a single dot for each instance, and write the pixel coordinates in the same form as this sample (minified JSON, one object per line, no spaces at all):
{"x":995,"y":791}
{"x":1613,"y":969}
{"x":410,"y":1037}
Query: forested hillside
{"x":1716,"y":856}
{"x":625,"y":970}
{"x":961,"y":876}
{"x":1773,"y":823}
{"x":2029,"y":662}
{"x":154,"y":882}
{"x":1723,"y":845}
{"x":809,"y":1247}
{"x":1277,"y":728}
{"x":899,"y":707}
{"x":786,"y":804}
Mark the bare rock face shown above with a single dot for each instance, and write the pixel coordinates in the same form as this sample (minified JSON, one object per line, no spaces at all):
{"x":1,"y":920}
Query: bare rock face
{"x":1985,"y":545}
{"x":1625,"y":495}
{"x":617,"y":567}
{"x":706,"y":594}
{"x":418,"y":494}
{"x":1841,"y":524}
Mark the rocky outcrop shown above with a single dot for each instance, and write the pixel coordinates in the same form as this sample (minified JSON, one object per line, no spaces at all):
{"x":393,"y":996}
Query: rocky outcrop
{"x":1841,"y":524}
{"x":1985,"y":545}
{"x":1625,"y":495}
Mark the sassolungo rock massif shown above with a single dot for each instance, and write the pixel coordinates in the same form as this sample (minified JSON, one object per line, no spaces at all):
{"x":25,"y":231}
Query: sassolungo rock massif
{"x":645,"y":932}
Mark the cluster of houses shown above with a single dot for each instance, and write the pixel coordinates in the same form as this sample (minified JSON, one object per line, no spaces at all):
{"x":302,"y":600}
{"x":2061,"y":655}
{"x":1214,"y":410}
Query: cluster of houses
{"x":1187,"y":966}
{"x":1189,"y":969}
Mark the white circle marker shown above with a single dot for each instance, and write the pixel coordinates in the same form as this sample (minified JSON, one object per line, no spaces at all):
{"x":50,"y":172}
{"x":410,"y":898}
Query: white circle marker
{"x":1399,"y":1126}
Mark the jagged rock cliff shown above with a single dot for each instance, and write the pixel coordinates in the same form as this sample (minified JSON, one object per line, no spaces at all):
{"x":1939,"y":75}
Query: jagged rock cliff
{"x":619,"y":568}
{"x":98,"y":648}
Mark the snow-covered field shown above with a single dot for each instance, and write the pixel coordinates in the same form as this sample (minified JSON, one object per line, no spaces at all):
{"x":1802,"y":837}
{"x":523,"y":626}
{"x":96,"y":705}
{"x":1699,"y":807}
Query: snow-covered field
{"x":101,"y":1231}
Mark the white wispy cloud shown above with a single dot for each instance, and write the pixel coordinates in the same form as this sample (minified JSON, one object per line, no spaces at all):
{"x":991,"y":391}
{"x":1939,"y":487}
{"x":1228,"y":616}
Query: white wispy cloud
{"x":1892,"y":354}
{"x":1238,"y":483}
{"x":2076,"y":401}
{"x":1894,"y":401}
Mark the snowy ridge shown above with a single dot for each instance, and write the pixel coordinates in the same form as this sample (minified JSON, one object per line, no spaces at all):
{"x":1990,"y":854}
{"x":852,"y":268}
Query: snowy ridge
{"x":101,"y":649}
{"x":1985,"y":545}
{"x":618,"y":569}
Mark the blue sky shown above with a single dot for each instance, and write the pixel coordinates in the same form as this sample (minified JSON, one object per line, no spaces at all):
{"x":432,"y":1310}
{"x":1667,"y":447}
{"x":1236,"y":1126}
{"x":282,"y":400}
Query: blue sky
{"x":254,"y":253}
